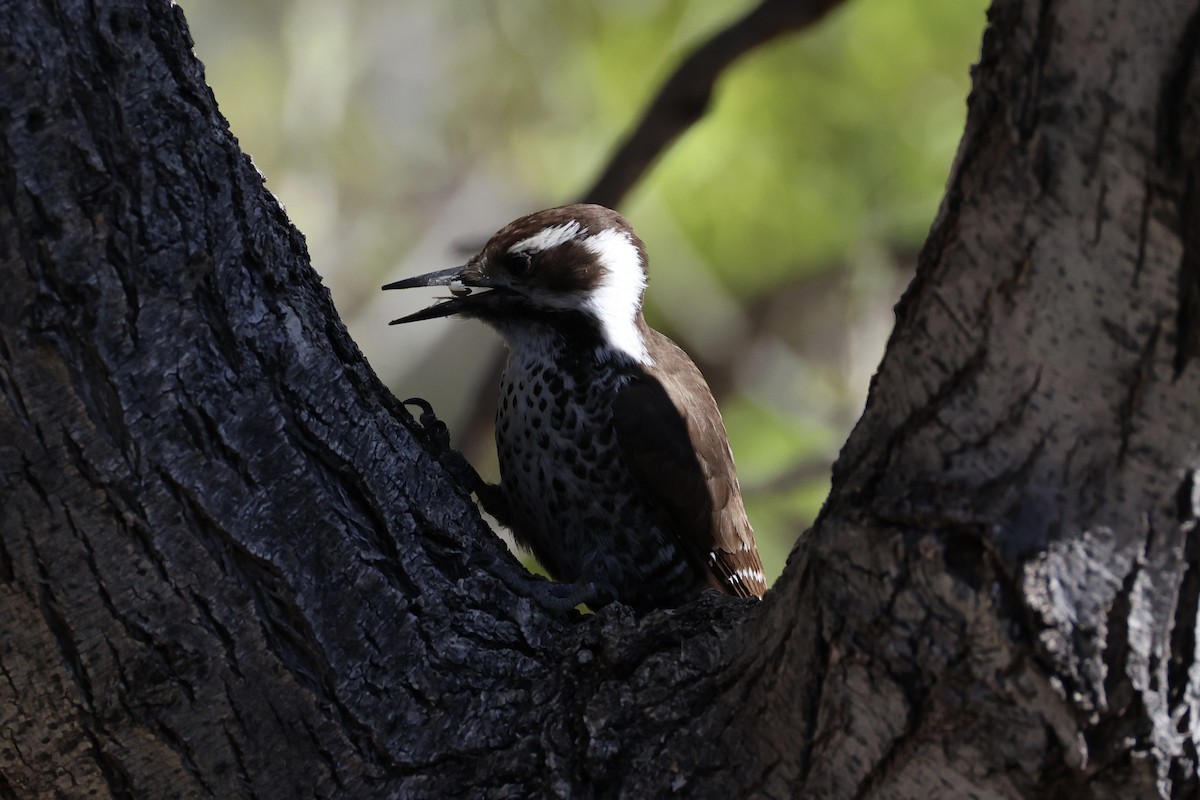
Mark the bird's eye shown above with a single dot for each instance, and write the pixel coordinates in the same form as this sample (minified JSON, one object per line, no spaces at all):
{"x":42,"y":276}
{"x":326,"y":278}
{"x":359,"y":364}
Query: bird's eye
{"x":518,"y":263}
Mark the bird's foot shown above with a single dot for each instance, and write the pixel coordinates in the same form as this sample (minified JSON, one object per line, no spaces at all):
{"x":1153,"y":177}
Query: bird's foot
{"x":551,"y":596}
{"x":562,"y":597}
{"x":437,"y":438}
{"x":433,"y":430}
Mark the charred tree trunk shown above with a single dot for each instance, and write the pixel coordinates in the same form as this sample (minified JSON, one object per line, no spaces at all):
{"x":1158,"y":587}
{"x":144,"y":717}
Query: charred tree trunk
{"x":230,"y":568}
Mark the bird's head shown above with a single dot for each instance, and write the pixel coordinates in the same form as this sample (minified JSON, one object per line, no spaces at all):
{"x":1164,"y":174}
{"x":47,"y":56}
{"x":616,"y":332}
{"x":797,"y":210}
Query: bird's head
{"x":577,"y":267}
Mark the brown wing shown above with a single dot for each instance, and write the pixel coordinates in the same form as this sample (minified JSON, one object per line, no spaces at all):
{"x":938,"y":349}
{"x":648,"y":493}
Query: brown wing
{"x":673,"y":440}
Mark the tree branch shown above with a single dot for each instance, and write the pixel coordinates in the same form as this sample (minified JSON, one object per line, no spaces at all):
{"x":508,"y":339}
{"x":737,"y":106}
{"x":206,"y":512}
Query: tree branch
{"x":684,"y":98}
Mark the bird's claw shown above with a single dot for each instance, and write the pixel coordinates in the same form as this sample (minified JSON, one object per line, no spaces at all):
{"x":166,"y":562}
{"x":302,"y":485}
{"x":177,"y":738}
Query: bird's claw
{"x":551,"y":596}
{"x":437,"y":435}
{"x":435,"y":430}
{"x":562,"y":597}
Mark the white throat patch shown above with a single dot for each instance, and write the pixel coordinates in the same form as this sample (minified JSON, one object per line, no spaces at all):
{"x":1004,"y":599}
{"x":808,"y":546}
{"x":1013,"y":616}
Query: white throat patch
{"x":615,"y":302}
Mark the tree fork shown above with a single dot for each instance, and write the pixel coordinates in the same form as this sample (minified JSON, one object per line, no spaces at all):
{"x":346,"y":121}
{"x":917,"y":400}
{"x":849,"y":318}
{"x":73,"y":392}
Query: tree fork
{"x":229,"y":568}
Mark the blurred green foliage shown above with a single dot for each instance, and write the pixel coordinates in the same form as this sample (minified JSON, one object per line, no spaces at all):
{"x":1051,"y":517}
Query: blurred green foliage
{"x":781,"y":228}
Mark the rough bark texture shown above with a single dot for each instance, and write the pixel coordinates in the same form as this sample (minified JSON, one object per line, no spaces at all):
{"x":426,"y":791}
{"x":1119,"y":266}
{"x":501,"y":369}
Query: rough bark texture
{"x":228,"y":566}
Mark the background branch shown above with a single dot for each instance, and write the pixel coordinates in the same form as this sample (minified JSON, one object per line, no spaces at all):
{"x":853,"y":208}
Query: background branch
{"x":687,"y":94}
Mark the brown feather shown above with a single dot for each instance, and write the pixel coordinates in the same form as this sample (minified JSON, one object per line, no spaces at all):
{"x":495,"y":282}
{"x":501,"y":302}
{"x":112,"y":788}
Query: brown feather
{"x":672,"y":439}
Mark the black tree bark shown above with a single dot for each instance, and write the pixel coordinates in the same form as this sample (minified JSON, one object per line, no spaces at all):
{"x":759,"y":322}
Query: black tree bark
{"x":229,"y":567}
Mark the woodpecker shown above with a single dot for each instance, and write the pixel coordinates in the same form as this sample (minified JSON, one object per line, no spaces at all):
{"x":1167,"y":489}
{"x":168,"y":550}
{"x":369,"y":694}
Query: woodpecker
{"x":616,"y":470}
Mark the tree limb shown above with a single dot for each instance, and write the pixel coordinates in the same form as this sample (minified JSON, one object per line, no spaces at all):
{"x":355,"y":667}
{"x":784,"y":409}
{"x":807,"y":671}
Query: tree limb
{"x":684,"y":98}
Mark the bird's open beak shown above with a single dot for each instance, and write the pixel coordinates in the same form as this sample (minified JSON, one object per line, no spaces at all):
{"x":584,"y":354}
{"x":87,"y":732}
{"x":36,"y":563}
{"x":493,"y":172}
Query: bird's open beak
{"x":468,"y":287}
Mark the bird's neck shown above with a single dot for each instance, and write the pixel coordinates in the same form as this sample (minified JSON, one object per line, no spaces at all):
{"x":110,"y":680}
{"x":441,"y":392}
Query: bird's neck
{"x":576,"y":337}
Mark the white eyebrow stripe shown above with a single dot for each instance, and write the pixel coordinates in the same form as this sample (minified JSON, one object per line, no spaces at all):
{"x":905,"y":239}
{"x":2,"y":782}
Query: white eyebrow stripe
{"x":548,"y":237}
